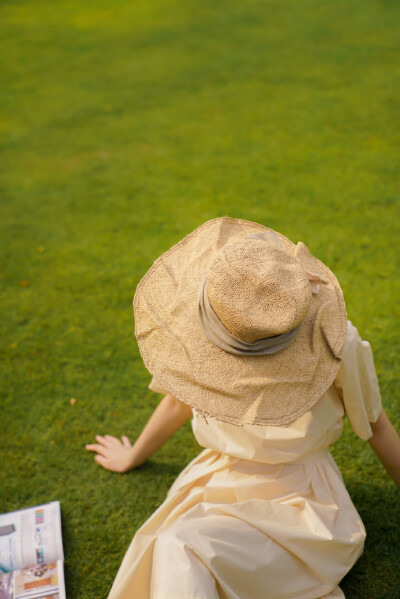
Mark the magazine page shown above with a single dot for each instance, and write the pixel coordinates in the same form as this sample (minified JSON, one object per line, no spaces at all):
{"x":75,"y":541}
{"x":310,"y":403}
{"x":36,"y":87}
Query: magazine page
{"x":30,"y":537}
{"x":40,"y":582}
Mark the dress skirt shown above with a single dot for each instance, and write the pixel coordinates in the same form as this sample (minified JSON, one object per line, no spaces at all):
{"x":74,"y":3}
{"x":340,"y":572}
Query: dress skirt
{"x":235,"y":529}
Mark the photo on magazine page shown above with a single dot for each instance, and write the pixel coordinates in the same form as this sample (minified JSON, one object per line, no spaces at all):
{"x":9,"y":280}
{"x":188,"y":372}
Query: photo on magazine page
{"x":40,"y":582}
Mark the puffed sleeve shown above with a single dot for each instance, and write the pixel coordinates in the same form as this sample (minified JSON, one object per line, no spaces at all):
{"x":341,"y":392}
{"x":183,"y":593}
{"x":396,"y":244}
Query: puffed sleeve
{"x":156,"y":387}
{"x":357,"y":384}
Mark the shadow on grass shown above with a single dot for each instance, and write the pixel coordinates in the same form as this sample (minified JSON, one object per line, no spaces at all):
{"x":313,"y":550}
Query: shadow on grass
{"x":379,"y":508}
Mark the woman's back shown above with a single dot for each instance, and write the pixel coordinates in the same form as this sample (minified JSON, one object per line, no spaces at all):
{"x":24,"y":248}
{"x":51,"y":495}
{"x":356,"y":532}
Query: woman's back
{"x":257,"y":499}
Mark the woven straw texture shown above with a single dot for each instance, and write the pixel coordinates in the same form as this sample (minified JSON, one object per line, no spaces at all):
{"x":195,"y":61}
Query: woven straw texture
{"x":257,"y":289}
{"x":273,"y":389}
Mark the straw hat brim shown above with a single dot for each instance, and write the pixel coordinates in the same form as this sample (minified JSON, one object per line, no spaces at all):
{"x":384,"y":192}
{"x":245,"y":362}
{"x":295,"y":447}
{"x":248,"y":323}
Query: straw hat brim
{"x":267,"y":390}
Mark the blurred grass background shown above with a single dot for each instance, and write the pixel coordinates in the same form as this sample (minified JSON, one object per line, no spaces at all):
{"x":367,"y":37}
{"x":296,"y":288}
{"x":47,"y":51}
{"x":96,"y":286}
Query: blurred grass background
{"x":123,"y":127}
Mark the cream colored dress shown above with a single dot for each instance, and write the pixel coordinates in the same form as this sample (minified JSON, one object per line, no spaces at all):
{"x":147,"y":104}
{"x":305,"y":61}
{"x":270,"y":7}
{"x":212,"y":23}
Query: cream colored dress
{"x":262,"y":512}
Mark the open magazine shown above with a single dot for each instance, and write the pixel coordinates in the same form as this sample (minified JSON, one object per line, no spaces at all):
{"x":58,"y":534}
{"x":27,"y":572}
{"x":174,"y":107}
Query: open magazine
{"x":31,"y":554}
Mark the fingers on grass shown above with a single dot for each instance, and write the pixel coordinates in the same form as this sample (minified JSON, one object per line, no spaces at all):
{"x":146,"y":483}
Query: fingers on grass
{"x":99,"y":449}
{"x":106,"y":441}
{"x":126,"y":441}
{"x":91,"y":447}
{"x":112,"y":440}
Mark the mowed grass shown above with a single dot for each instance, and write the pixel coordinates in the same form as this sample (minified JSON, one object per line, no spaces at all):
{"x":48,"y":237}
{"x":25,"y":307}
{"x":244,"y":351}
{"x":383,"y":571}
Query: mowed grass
{"x":123,"y":127}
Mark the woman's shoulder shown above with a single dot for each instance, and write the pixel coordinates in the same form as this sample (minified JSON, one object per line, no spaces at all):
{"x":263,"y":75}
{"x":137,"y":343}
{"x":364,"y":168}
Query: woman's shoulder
{"x":357,"y":383}
{"x":354,"y":348}
{"x":352,"y":335}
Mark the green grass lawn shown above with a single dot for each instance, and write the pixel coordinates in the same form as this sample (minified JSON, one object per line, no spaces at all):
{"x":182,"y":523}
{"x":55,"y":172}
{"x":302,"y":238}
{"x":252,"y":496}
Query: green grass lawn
{"x":125,"y":125}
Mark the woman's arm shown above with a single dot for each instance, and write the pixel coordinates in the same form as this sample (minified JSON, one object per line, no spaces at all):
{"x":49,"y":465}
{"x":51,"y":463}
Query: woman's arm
{"x":386,"y":444}
{"x":112,"y":454}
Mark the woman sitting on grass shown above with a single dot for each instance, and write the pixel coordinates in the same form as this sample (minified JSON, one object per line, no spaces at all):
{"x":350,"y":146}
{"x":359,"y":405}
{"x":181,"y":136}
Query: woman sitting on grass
{"x":247,"y":333}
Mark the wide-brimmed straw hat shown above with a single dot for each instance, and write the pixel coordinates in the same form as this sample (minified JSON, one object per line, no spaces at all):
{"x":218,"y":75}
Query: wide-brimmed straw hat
{"x":241,"y":324}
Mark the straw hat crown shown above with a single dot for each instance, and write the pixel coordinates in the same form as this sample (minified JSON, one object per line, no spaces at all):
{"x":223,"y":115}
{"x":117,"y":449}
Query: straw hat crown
{"x":257,"y":289}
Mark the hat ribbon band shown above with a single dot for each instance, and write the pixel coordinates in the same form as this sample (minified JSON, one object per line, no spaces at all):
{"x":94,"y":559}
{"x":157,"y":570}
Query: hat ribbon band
{"x":223,"y":338}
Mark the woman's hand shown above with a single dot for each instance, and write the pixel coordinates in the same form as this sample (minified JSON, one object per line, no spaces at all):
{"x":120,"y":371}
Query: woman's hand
{"x":117,"y":456}
{"x":113,"y":454}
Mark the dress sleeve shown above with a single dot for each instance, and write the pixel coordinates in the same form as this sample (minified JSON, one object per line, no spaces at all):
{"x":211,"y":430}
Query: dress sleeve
{"x":357,"y":384}
{"x":156,"y":387}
